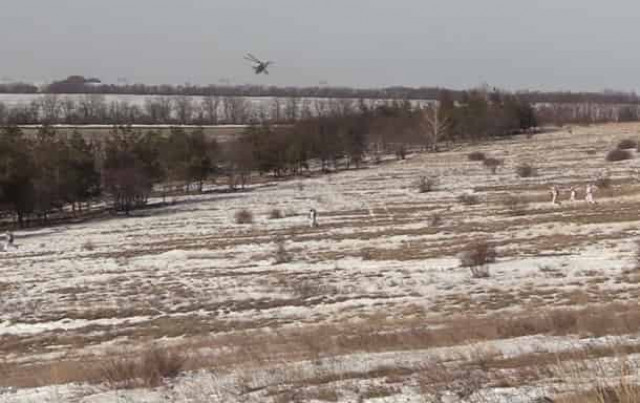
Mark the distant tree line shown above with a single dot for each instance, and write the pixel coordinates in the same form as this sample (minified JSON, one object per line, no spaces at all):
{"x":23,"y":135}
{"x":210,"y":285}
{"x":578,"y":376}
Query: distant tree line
{"x":81,"y":85}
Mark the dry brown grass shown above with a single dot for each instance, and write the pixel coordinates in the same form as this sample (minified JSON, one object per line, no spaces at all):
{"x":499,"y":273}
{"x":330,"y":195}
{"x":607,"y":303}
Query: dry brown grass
{"x":150,"y":369}
{"x":622,"y":393}
{"x":275,"y":214}
{"x":375,"y":334}
{"x":377,"y":392}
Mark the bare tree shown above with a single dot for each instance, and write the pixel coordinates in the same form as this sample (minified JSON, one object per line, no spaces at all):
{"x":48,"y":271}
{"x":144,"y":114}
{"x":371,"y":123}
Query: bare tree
{"x":50,"y":108}
{"x":68,"y":109}
{"x":435,"y":125}
{"x":184,"y":109}
{"x":210,"y":106}
{"x":320,"y":106}
{"x":236,"y":110}
{"x":3,"y":113}
{"x":158,"y":109}
{"x":93,"y":108}
{"x":291,"y":109}
{"x":276,"y":110}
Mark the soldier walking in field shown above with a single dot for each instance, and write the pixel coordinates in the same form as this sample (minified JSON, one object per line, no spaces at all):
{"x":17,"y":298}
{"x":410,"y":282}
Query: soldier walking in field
{"x":589,"y":192}
{"x":313,"y":218}
{"x":554,"y":194}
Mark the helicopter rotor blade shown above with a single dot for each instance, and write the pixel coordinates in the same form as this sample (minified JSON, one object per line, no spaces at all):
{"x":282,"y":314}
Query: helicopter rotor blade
{"x":253,"y":58}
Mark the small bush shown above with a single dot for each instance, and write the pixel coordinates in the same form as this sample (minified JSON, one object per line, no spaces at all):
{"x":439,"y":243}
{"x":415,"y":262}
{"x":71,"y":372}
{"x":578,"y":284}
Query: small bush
{"x":526,"y":171}
{"x":149,"y":370}
{"x":478,"y":253}
{"x":281,"y":253}
{"x":627,"y":144}
{"x":476,"y":156}
{"x":603,"y":182}
{"x":514,"y":204}
{"x":159,"y":364}
{"x":275,"y":214}
{"x":491,"y":164}
{"x":477,"y":257}
{"x":244,"y":216}
{"x":480,"y":271}
{"x":468,"y":199}
{"x":591,"y":151}
{"x":88,"y":246}
{"x":426,"y":184}
{"x":618,"y":155}
{"x":435,"y":220}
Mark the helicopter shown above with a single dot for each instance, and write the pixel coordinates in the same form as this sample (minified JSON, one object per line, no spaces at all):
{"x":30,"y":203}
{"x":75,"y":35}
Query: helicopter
{"x":259,"y":66}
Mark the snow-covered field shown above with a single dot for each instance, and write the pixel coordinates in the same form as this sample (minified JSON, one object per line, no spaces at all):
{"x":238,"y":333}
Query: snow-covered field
{"x":372,"y":305}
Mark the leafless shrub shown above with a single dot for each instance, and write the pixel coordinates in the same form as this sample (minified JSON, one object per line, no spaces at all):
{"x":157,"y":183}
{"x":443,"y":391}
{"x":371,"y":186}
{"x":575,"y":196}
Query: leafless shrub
{"x":324,"y":394}
{"x":514,"y":204}
{"x":244,"y":216}
{"x":307,"y":288}
{"x":492,"y":164}
{"x":526,"y":170}
{"x":435,"y":220}
{"x":88,"y":246}
{"x":158,"y":364}
{"x":476,"y":156}
{"x":281,"y":253}
{"x":120,"y":372}
{"x":627,"y":144}
{"x":275,"y":214}
{"x":618,"y":155}
{"x":591,"y":151}
{"x":468,"y":199}
{"x":426,"y":184}
{"x":377,"y":391}
{"x":603,"y":182}
{"x":149,"y":370}
{"x":610,"y":383}
{"x":477,"y":258}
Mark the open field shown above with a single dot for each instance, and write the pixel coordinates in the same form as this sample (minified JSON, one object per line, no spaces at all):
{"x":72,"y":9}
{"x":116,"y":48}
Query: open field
{"x":371,"y":306}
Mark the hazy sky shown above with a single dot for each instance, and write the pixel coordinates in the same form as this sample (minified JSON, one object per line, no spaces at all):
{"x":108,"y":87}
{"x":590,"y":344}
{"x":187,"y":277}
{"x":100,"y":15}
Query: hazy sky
{"x":516,"y":44}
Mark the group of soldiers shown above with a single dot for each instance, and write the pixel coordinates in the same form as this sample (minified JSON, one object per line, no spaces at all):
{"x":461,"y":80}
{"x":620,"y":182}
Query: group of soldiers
{"x":589,"y":193}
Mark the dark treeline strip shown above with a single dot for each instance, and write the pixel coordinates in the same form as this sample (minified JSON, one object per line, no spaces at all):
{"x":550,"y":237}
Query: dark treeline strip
{"x":80,"y":85}
{"x":50,"y":173}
